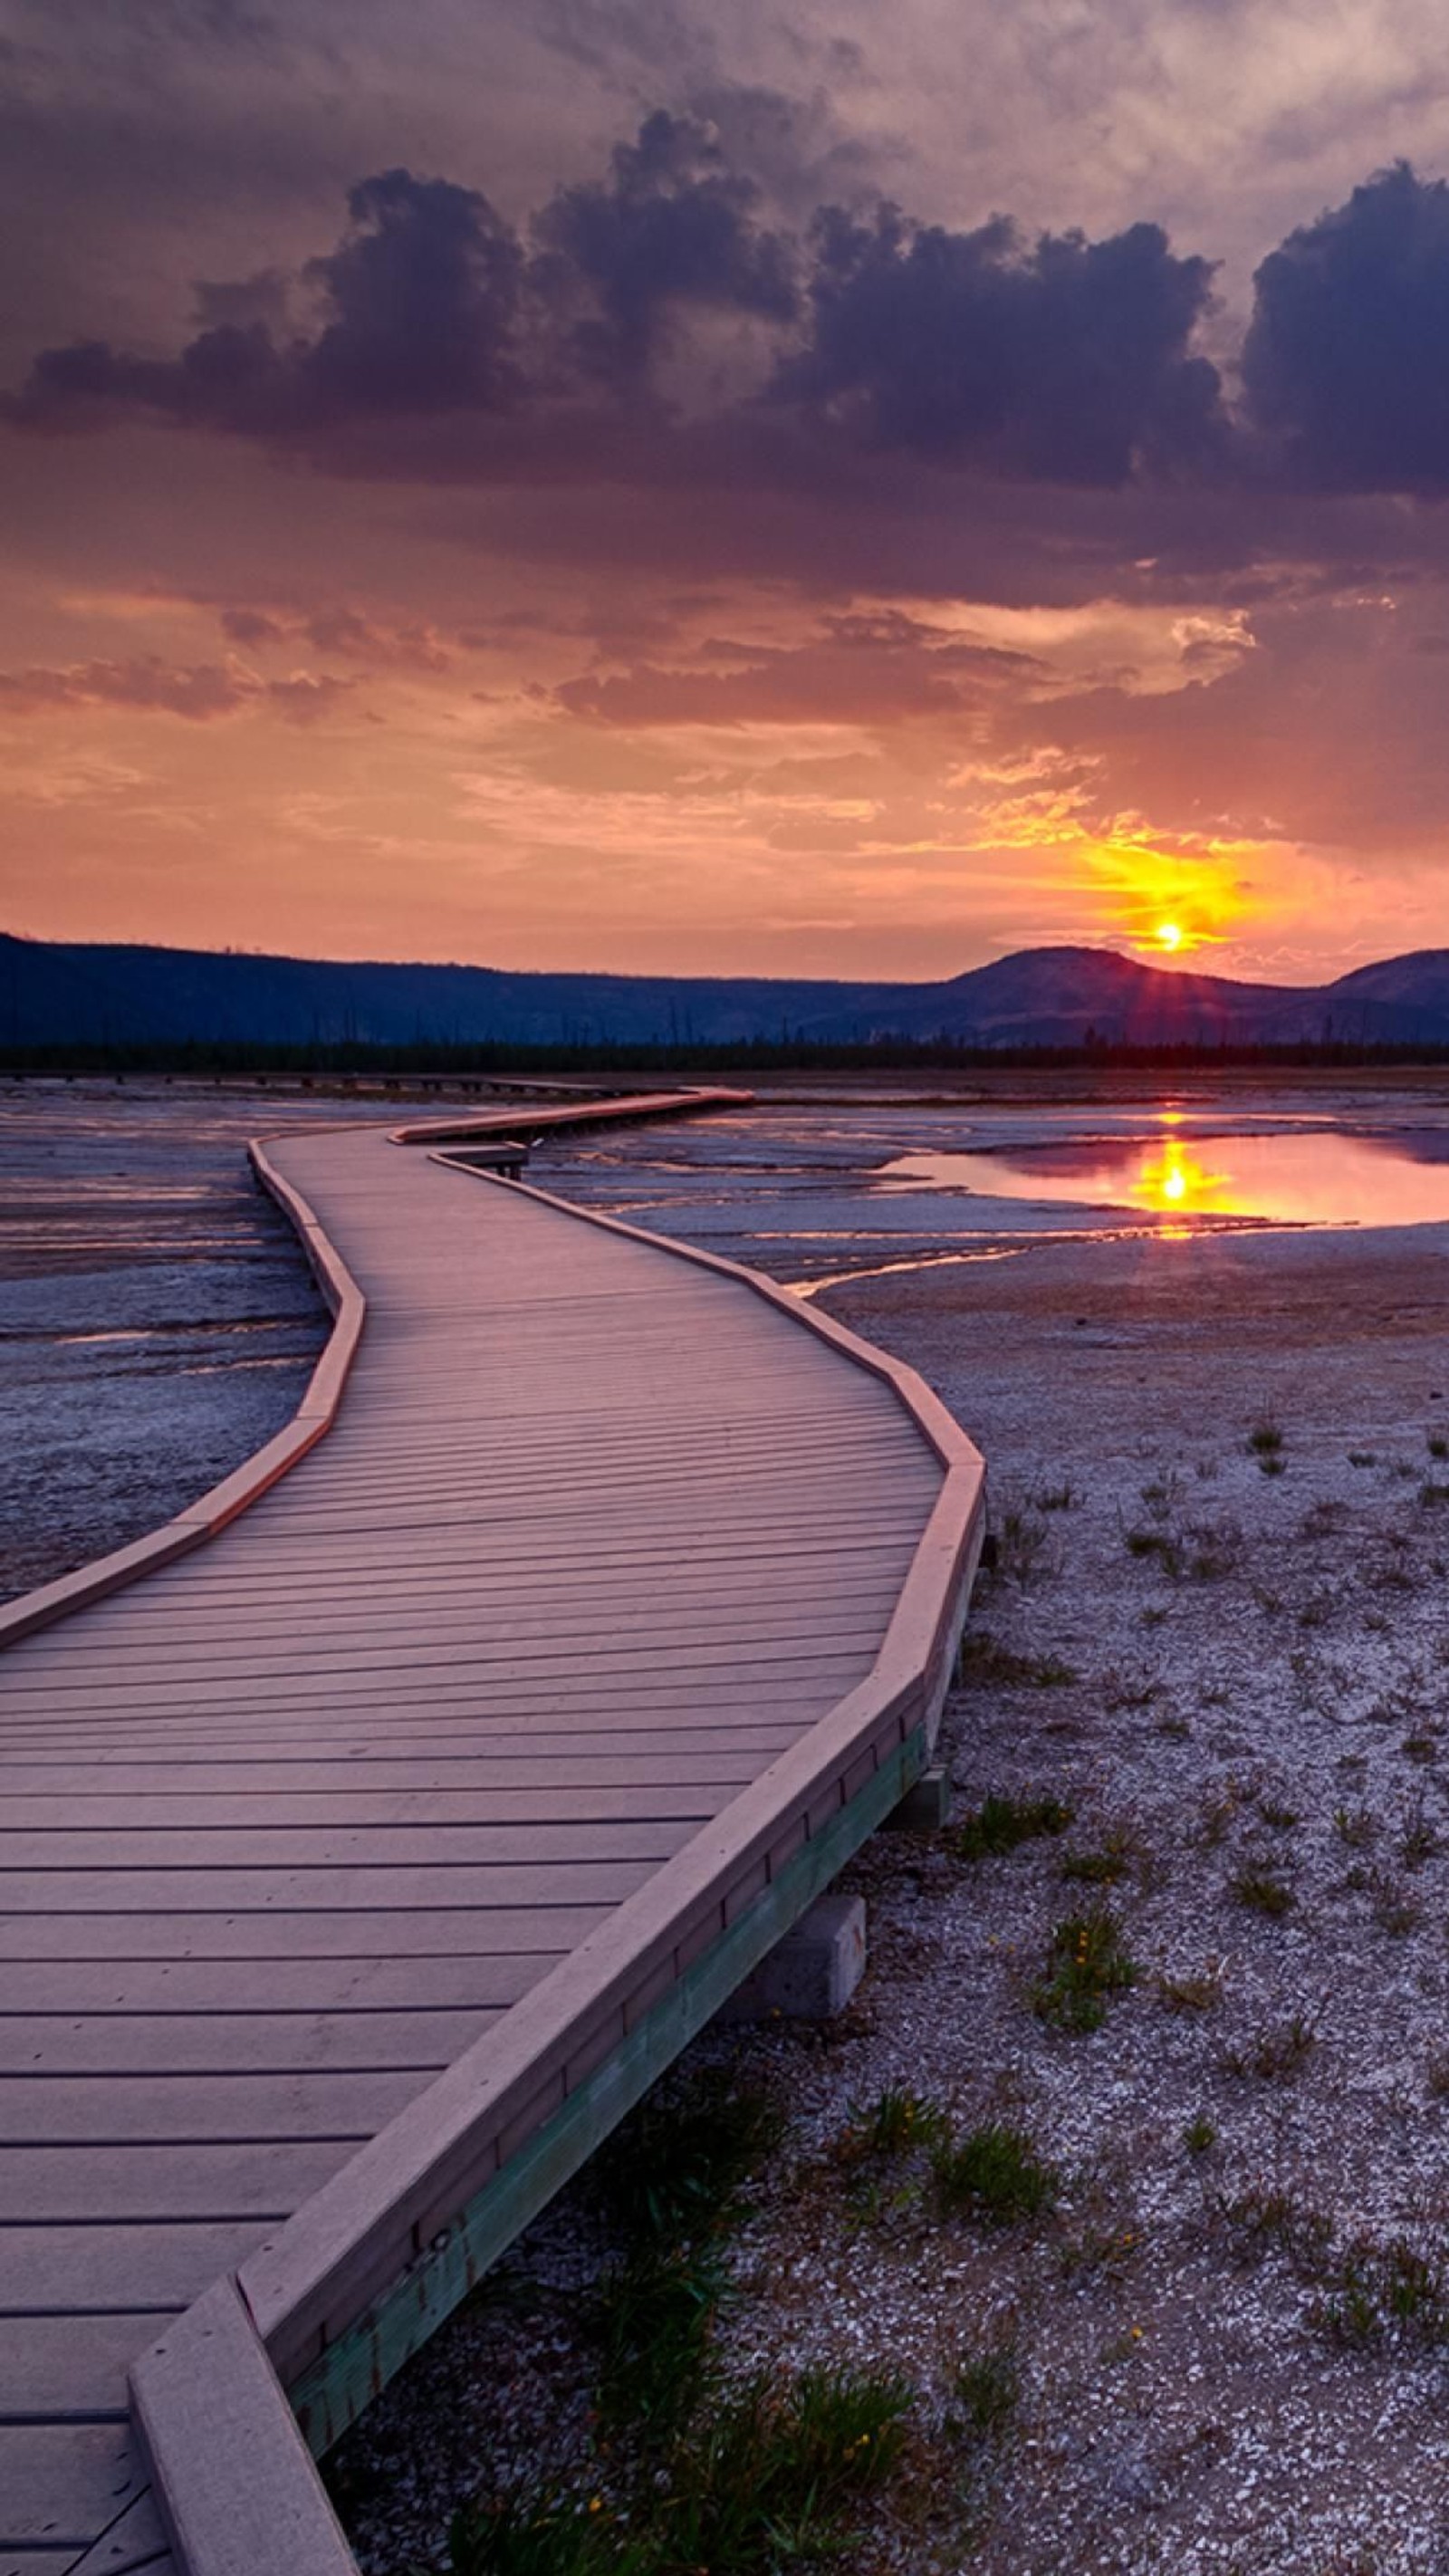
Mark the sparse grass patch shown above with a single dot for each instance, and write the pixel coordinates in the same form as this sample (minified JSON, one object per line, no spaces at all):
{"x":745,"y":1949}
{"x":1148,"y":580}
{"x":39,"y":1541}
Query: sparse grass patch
{"x":984,"y":1661}
{"x":1086,"y":1964}
{"x":1436,"y":2075}
{"x":1355,"y":1826}
{"x":1282,"y":2217}
{"x":770,"y":2476}
{"x":1111,"y":1861}
{"x":1160,"y":1544}
{"x":1394,"y":1910}
{"x":881,"y":2136}
{"x":1262,"y":1890}
{"x":1418,"y":1840}
{"x":1000,"y":1824}
{"x":1363,"y":1457}
{"x":1123,"y":1691}
{"x":1177,"y":1729}
{"x":1202,"y":1992}
{"x":543,"y":2532}
{"x":652,"y":2320}
{"x":676,"y":2169}
{"x":1217,"y":1812}
{"x":1276,"y":2053}
{"x":993,"y":2175}
{"x":986,"y":2390}
{"x":1056,"y":1498}
{"x":1395,"y":2295}
{"x":1432,"y":1492}
{"x":1025,"y":1552}
{"x":1265,"y":1439}
{"x":1199,"y":2134}
{"x":1282,"y":1818}
{"x":777,"y":2471}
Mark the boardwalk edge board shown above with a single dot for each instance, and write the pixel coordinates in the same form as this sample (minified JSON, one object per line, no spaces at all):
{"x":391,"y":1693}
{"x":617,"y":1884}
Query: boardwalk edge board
{"x":316,"y":2318}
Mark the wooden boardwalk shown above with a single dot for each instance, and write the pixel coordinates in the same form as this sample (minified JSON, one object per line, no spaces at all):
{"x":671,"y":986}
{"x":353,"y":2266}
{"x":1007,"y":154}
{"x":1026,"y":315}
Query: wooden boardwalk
{"x":366,"y":1861}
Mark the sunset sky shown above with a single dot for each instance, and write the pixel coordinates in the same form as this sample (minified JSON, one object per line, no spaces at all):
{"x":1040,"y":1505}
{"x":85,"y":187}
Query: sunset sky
{"x":726,"y":488}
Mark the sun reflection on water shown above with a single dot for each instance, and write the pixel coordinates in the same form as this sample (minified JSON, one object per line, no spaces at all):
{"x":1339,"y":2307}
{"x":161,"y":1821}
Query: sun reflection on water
{"x":1172,"y":1180}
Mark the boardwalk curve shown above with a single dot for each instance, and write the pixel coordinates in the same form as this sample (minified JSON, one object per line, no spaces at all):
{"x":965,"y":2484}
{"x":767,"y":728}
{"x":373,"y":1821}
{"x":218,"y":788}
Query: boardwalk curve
{"x":360,"y":1868}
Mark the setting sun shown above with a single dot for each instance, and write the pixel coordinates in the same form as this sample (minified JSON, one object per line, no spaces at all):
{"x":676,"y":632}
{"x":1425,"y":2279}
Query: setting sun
{"x":1169,"y":934}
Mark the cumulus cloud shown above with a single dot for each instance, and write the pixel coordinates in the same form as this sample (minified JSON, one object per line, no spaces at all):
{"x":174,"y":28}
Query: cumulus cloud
{"x":673,"y":225}
{"x":419,"y":305}
{"x":1346,"y":361}
{"x":444,"y":343}
{"x":1064,"y":359}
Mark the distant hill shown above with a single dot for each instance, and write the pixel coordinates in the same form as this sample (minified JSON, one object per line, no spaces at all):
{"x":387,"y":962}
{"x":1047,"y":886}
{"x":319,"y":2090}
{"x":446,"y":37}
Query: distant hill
{"x":60,"y":994}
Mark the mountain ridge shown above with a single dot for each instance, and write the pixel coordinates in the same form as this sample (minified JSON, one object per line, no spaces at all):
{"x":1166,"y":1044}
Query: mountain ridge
{"x":55,"y":994}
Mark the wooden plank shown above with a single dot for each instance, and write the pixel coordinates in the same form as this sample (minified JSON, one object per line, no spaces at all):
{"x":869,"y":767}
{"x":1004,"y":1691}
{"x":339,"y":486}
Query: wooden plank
{"x":55,"y":2271}
{"x":383,"y":1847}
{"x":57,"y":2368}
{"x":457,"y":1823}
{"x":229,"y":1644}
{"x":122,"y":1781}
{"x":136,"y":2541}
{"x":225,"y":2043}
{"x":217,"y":1890}
{"x":462,"y":1981}
{"x":81,"y":2185}
{"x":167,"y":2109}
{"x":375,"y":1646}
{"x":60,"y":2484}
{"x":336,"y":1932}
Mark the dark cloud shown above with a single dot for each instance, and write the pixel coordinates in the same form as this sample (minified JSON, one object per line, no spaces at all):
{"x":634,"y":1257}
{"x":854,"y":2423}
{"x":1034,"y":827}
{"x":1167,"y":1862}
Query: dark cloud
{"x":419,"y":305}
{"x":445,"y":345}
{"x":1346,"y":362}
{"x":674,"y":224}
{"x":201,"y":692}
{"x":1068,"y":360}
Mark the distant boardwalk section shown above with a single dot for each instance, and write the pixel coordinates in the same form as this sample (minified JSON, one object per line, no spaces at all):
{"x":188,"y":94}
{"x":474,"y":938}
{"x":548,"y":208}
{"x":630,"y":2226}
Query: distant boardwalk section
{"x":364,"y":1863}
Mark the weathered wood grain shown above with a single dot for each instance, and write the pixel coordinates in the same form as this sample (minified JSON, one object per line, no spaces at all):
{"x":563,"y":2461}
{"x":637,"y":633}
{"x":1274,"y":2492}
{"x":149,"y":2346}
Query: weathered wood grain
{"x":426,"y":1762}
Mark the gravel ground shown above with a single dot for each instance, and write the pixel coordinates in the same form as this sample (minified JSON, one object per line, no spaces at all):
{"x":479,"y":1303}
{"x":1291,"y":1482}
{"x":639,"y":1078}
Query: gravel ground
{"x":1214,"y":2371}
{"x":1228,"y":1661}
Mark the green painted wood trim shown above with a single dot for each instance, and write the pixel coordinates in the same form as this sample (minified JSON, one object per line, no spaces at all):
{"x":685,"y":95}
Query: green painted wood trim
{"x":335,"y":2390}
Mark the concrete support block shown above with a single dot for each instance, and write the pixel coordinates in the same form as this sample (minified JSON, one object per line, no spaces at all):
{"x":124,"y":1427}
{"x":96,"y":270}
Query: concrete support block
{"x":926,"y":1807}
{"x":811,"y":1974}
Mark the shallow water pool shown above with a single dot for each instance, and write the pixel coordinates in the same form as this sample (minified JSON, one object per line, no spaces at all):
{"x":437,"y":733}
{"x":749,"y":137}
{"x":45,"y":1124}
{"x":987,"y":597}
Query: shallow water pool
{"x":1299,"y":1176}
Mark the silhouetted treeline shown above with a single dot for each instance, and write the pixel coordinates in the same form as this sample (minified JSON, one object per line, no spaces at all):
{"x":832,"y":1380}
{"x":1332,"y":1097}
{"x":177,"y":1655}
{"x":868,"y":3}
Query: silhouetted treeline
{"x":198,"y":1060}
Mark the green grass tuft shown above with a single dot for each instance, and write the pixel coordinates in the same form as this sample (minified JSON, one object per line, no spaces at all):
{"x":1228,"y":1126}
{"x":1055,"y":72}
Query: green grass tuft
{"x":993,"y":2175}
{"x":1087,"y":1963}
{"x":999,"y":1824}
